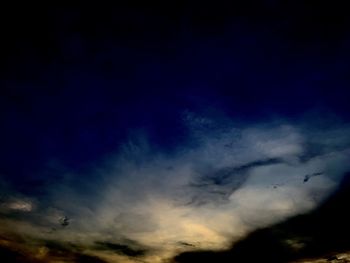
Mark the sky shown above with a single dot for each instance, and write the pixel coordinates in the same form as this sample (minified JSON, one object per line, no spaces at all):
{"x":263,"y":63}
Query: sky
{"x":175,"y":132}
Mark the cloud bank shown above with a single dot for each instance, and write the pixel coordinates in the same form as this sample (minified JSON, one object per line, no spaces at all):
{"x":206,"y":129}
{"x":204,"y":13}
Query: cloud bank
{"x":144,"y":205}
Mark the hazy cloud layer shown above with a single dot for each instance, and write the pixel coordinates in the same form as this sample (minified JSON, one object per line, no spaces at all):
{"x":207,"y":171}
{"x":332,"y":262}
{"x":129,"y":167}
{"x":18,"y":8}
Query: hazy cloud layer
{"x":145,"y":205}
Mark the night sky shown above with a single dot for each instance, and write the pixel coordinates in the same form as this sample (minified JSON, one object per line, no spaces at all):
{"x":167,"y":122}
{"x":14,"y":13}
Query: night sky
{"x":179,"y":131}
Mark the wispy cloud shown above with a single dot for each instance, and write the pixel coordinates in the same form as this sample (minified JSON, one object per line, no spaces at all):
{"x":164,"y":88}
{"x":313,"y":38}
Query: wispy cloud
{"x":229,"y":180}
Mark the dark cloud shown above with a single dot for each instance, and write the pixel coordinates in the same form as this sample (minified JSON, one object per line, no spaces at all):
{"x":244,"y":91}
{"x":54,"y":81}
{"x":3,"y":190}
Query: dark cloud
{"x":122,"y":249}
{"x":69,"y":251}
{"x":186,"y":244}
{"x":219,"y":185}
{"x":13,"y":256}
{"x":308,"y":176}
{"x":81,"y":258}
{"x":225,"y":176}
{"x":41,"y":251}
{"x":322,"y":233}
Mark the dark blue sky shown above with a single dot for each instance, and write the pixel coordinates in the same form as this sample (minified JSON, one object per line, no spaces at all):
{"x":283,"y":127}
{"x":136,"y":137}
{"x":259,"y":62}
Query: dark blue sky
{"x":76,"y":80}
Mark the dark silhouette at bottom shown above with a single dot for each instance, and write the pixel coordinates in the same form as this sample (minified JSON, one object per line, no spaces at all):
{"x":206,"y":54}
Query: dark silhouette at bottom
{"x":320,"y":234}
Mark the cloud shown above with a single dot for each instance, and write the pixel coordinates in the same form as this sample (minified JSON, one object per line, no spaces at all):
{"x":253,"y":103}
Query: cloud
{"x":319,"y":236}
{"x":14,"y":249}
{"x":123,"y":249}
{"x":21,"y":206}
{"x":228,"y":181}
{"x":18,"y":205}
